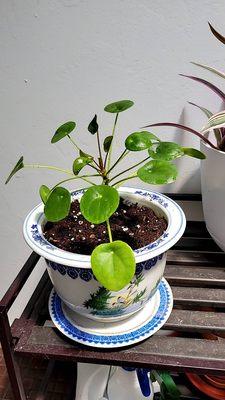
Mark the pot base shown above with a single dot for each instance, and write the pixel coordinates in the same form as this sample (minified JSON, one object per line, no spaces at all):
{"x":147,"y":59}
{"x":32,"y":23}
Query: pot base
{"x":136,"y":328}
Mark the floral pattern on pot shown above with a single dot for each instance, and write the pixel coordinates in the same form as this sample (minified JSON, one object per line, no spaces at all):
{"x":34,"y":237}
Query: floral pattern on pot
{"x":87,"y":274}
{"x":100,"y":302}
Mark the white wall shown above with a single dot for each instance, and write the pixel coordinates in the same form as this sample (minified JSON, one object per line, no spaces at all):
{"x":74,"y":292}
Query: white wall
{"x":66,"y":59}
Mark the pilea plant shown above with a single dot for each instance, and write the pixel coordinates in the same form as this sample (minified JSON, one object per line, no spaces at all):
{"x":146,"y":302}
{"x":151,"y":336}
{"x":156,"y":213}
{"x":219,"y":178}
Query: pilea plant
{"x":216,"y":122}
{"x":113,"y":263}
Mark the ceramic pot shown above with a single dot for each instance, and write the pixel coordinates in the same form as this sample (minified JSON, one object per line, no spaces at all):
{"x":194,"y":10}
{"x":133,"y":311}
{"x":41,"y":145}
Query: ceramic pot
{"x":213,"y":192}
{"x":72,"y":276}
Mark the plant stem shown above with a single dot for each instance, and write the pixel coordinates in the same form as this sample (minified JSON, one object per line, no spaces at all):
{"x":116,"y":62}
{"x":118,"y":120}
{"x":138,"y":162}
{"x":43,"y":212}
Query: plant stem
{"x":124,"y":154}
{"x":109,"y":230}
{"x":128,"y":169}
{"x":99,"y":150}
{"x":74,"y":143}
{"x":66,"y":171}
{"x":92,"y":166}
{"x":108,"y":155}
{"x":118,"y":183}
{"x":84,"y":177}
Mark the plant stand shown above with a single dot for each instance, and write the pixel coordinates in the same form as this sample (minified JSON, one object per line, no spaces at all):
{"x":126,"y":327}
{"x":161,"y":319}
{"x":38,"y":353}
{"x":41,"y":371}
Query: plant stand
{"x":196,"y":272}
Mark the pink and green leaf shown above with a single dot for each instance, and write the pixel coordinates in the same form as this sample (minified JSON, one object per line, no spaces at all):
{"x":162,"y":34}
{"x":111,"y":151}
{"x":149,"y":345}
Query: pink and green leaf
{"x":211,"y":69}
{"x":185,"y":128}
{"x":208,"y":84}
{"x":218,"y":35}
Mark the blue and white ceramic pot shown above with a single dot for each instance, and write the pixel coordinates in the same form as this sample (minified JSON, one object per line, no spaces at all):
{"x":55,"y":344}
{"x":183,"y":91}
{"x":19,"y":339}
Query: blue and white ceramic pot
{"x":72,"y":276}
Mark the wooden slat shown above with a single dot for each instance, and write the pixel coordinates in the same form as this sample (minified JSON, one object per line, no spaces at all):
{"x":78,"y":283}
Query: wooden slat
{"x":199,"y":296}
{"x":206,"y":245}
{"x":196,"y":321}
{"x":196,"y":229}
{"x":195,"y":276}
{"x":176,"y":353}
{"x":196,"y":258}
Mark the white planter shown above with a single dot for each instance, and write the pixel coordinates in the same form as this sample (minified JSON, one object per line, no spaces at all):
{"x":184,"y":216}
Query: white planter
{"x":213,"y":192}
{"x":72,"y":276}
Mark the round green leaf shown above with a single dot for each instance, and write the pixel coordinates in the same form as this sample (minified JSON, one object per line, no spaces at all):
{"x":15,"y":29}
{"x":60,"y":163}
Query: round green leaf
{"x":138,"y":141}
{"x":98,"y":203}
{"x":80,"y":163}
{"x":63,"y":130}
{"x":119,"y":106}
{"x":113,"y":264}
{"x":57,"y":206}
{"x":107,"y":143}
{"x":188,"y":151}
{"x":167,"y":151}
{"x":44,"y":192}
{"x":158,"y":172}
{"x":93,"y":126}
{"x":19,"y":165}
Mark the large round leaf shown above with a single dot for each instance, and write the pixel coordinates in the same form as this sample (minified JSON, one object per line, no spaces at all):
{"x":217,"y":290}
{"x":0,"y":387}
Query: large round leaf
{"x":63,"y":130}
{"x":44,"y":192}
{"x":80,"y":163}
{"x":188,"y":151}
{"x":57,"y":206}
{"x":98,"y":203}
{"x":158,"y":172}
{"x":167,"y":151}
{"x":19,"y":165}
{"x":119,"y":106}
{"x":138,"y":141}
{"x":113,"y":264}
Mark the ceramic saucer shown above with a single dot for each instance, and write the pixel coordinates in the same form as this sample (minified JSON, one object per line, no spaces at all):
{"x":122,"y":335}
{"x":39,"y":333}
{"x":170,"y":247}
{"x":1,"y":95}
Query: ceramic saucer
{"x":134,"y":329}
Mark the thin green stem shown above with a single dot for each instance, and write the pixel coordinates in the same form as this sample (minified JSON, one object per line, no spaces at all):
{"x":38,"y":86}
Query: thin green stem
{"x":118,"y":183}
{"x":99,"y":150}
{"x":74,"y":143}
{"x":123,"y":155}
{"x":108,"y":155}
{"x":96,"y":169}
{"x":128,"y":169}
{"x":75,"y":177}
{"x":109,"y":230}
{"x":66,"y":171}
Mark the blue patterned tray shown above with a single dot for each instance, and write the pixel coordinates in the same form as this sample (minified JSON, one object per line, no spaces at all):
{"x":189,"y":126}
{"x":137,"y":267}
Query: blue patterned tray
{"x":117,"y":334}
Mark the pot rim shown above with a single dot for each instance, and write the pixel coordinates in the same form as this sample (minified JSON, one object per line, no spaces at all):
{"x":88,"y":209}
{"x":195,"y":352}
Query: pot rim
{"x":32,"y":230}
{"x":211,"y":148}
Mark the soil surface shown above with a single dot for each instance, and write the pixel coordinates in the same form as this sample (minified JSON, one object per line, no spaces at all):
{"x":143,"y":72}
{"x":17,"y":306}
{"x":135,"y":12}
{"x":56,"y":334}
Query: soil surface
{"x":136,"y":225}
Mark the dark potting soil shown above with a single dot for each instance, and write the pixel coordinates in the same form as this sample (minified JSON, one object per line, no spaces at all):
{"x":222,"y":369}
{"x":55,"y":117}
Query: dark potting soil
{"x":134,"y":224}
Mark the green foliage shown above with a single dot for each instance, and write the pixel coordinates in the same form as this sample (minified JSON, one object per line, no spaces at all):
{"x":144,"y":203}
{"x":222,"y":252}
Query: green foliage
{"x":188,"y":151}
{"x":98,"y":203}
{"x":119,"y":106}
{"x":80,"y":163}
{"x":93,"y":126}
{"x":19,"y":165}
{"x":113,"y":264}
{"x":107,"y":143}
{"x":63,"y":130}
{"x":57,"y":206}
{"x":138,"y":141}
{"x":166,"y":151}
{"x":44,"y":192}
{"x":158,"y":172}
